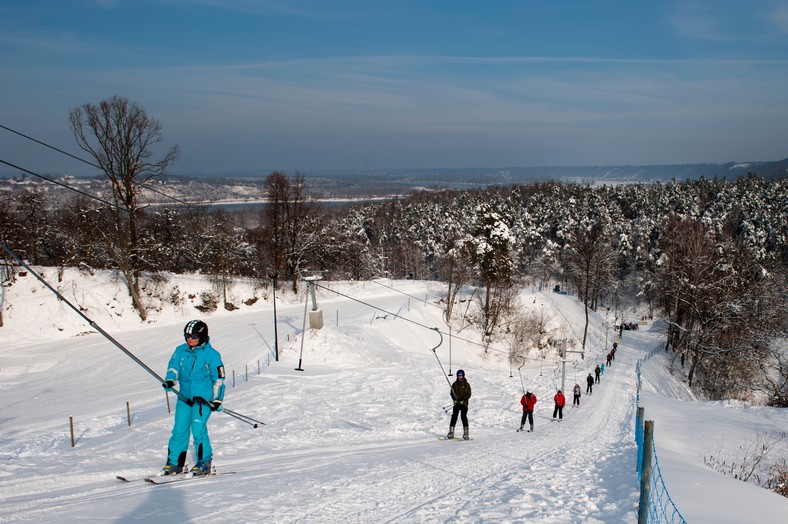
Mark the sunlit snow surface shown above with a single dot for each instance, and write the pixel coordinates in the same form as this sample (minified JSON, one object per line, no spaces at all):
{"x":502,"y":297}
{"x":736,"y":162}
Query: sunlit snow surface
{"x":353,"y":437}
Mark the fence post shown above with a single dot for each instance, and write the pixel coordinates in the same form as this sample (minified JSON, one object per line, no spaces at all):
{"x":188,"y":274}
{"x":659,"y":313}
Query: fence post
{"x":71,"y":426}
{"x":128,"y":412}
{"x":639,"y":436}
{"x":645,"y":476}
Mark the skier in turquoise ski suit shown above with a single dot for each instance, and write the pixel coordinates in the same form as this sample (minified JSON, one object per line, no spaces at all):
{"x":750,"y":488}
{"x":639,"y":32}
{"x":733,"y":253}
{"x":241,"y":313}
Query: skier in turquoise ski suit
{"x":197,"y":369}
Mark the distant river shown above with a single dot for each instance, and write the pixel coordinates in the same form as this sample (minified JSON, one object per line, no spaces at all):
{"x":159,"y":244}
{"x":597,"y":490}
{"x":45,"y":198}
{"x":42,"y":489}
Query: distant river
{"x":328,"y":202}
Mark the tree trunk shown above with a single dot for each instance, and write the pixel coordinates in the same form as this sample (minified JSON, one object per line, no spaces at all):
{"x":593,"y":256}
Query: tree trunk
{"x":585,"y":329}
{"x":133,"y":284}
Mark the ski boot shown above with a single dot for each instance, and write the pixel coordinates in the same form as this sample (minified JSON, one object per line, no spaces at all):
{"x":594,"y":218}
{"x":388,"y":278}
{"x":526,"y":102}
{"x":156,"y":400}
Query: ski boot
{"x":202,"y":468}
{"x":450,"y":434}
{"x":465,"y":433}
{"x":171,"y":469}
{"x":532,"y":429}
{"x":521,"y":427}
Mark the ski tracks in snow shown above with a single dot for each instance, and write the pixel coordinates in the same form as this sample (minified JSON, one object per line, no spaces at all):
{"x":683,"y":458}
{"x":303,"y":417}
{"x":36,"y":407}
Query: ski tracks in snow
{"x":566,"y":471}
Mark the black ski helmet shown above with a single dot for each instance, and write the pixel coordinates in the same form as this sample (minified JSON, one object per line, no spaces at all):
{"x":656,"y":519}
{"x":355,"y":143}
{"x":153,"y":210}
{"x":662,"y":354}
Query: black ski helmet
{"x":196,"y":327}
{"x":460,"y":373}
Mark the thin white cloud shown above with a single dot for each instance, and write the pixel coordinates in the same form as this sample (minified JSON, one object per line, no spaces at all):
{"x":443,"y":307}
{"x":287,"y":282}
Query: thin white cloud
{"x":380,"y":62}
{"x":700,"y":20}
{"x":730,"y":21}
{"x":255,"y":7}
{"x":779,"y":17}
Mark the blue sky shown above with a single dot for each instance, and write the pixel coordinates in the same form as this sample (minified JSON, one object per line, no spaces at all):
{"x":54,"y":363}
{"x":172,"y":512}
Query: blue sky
{"x":258,"y":85}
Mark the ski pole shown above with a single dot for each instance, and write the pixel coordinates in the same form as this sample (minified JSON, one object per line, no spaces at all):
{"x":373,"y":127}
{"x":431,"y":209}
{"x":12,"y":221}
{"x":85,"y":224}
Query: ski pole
{"x":109,"y":337}
{"x":244,"y":418}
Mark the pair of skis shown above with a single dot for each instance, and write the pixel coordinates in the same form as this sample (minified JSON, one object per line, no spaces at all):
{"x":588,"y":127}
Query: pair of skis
{"x":167,"y":479}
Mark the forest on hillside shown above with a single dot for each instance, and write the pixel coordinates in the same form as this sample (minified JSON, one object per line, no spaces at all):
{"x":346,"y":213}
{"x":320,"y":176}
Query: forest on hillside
{"x":708,"y":255}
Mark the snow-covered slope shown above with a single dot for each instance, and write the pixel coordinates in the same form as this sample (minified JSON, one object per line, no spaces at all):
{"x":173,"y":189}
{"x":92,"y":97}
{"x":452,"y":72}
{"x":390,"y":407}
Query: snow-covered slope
{"x":352,"y":437}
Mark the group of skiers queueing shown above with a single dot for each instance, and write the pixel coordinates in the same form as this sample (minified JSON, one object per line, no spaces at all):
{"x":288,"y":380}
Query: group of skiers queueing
{"x":197,"y":369}
{"x":528,"y":400}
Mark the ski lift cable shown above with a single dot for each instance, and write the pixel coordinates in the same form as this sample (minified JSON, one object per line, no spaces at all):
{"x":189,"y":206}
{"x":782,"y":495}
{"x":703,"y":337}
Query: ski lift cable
{"x":403,"y":293}
{"x":407,"y":319}
{"x":146,"y":187}
{"x":49,"y":146}
{"x":490,"y":348}
{"x":98,"y":199}
{"x":88,"y":162}
{"x":83,"y":193}
{"x":577,"y":337}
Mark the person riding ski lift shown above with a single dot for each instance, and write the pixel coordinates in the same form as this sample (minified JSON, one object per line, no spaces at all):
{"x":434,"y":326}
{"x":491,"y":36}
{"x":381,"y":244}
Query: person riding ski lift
{"x":197,"y":369}
{"x":529,"y":402}
{"x":460,"y":394}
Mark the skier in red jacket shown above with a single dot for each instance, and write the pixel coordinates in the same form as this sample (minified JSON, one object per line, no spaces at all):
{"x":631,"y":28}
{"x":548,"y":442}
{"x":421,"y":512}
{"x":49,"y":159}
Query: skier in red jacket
{"x":560,"y":400}
{"x":528,"y":401}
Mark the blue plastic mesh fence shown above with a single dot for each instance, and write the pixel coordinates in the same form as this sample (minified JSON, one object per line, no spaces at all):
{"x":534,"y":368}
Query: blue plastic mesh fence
{"x":661,"y":508}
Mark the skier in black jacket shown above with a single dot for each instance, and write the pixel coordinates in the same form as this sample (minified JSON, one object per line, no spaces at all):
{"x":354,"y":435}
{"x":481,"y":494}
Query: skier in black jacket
{"x":460,"y":394}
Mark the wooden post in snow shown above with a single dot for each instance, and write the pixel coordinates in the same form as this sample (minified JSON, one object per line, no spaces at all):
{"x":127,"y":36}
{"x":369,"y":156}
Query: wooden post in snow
{"x":645,"y":474}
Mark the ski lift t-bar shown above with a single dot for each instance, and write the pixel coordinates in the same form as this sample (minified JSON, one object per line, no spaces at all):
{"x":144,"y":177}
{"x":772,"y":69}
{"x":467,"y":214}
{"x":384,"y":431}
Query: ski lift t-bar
{"x":111,"y":339}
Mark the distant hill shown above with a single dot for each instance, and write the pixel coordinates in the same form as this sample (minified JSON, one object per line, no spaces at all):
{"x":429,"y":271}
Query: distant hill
{"x":405,"y":180}
{"x":485,"y":176}
{"x":328,"y":184}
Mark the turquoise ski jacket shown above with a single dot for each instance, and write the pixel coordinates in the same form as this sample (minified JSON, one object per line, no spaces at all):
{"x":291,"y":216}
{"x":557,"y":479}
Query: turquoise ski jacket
{"x":198,"y":371}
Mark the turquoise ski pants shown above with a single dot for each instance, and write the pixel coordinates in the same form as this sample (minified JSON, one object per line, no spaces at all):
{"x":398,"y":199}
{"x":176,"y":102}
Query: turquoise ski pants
{"x":190,"y":419}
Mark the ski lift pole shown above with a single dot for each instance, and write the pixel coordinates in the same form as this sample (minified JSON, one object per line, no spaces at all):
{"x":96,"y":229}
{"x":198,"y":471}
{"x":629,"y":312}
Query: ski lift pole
{"x":303,"y":330}
{"x":436,"y":356}
{"x":109,"y":337}
{"x":521,"y":375}
{"x":449,"y":350}
{"x":90,"y":322}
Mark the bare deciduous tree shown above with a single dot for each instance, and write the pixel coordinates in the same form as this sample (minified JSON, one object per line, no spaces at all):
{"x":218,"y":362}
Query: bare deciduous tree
{"x":121,"y":137}
{"x":288,"y":223}
{"x":527,"y":332}
{"x":589,"y":264}
{"x":455,"y":270}
{"x":723,"y":308}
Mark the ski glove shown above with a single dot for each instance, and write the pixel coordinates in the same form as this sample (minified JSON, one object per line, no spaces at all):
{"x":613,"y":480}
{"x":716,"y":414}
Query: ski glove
{"x":168,"y":385}
{"x":214,"y":405}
